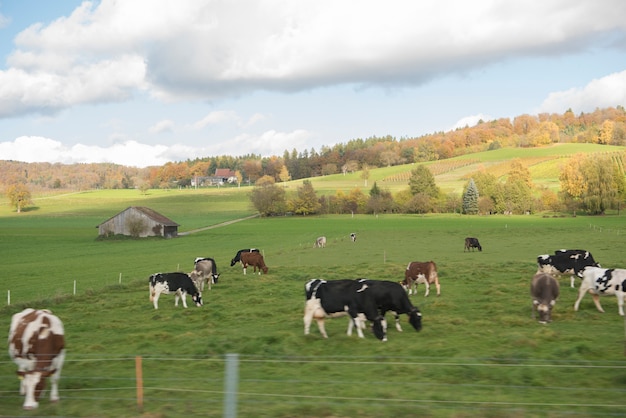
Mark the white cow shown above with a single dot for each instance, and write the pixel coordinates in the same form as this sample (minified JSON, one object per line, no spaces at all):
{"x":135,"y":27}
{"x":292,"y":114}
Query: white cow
{"x":205,"y":271}
{"x":599,"y":281}
{"x":320,"y":242}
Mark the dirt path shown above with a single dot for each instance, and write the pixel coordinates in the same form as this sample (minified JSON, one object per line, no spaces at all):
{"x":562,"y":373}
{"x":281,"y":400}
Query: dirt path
{"x":193,"y":231}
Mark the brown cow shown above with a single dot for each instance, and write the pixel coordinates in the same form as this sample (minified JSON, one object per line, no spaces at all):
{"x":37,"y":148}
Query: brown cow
{"x":37,"y":346}
{"x":544,"y":290}
{"x":255,"y":260}
{"x":420,"y":272}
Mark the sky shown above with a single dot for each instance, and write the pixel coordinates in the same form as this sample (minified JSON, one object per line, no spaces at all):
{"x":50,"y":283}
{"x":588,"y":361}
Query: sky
{"x":145,"y":82}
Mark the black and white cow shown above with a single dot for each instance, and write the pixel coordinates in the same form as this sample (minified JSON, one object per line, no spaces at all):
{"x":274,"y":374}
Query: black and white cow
{"x":237,"y":257}
{"x":204,"y":271}
{"x":544,"y":290}
{"x":600,"y":282}
{"x":37,"y":346}
{"x":330,"y":299}
{"x":353,"y":236}
{"x":180,"y":284}
{"x":571,"y":262}
{"x":471,"y":243}
{"x":391,"y":297}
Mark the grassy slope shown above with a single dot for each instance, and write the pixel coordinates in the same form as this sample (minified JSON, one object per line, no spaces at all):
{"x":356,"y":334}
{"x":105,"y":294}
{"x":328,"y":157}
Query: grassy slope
{"x":480,"y":323}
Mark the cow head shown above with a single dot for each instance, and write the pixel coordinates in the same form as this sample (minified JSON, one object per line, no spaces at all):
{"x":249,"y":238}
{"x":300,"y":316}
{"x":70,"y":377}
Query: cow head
{"x":215,"y":277}
{"x":197,"y":299}
{"x":545,"y":310}
{"x":265,"y":269}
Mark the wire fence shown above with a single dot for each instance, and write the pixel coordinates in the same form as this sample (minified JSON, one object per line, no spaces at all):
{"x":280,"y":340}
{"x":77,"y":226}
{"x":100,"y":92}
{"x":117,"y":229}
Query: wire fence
{"x":332,"y":386}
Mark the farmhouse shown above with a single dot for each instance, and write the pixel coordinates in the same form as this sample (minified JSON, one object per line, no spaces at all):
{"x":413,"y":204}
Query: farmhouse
{"x":139,"y":221}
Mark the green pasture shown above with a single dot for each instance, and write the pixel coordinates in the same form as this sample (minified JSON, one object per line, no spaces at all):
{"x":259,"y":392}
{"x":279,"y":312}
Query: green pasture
{"x":479,"y":352}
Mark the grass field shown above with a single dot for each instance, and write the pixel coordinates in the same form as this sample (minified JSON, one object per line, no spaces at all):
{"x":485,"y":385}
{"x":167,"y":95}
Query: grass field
{"x":479,"y":353}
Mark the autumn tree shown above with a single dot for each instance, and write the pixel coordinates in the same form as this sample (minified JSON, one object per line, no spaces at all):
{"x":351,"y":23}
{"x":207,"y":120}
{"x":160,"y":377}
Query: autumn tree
{"x":305,"y":202}
{"x":267,"y":197}
{"x":379,"y":200}
{"x":19,"y":195}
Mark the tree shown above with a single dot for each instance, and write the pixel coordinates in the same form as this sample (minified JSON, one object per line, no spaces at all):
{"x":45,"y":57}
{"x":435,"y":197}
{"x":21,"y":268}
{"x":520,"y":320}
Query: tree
{"x":19,"y":196}
{"x":470,"y":198}
{"x":423,"y":181}
{"x":305,"y":202}
{"x":518,"y":188}
{"x":365,"y":173}
{"x":267,"y":197}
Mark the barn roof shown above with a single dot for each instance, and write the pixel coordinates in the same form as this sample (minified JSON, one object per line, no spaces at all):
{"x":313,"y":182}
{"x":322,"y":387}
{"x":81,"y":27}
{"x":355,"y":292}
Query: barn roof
{"x":151,"y":213}
{"x":224,"y":172}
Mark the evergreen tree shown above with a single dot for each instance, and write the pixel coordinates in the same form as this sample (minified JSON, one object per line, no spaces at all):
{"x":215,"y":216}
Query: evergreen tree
{"x":470,"y":199}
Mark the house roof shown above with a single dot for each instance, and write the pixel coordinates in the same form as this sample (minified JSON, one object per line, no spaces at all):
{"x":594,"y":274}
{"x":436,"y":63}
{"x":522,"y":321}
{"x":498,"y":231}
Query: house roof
{"x":151,"y":213}
{"x":224,"y":172}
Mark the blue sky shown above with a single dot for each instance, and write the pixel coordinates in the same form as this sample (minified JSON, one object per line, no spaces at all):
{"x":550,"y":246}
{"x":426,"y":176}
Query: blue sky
{"x":144,"y":82}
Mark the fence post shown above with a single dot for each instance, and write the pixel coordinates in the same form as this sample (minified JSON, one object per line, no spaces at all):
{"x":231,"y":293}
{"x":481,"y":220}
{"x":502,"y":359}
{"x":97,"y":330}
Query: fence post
{"x":231,"y":381}
{"x":139,"y":382}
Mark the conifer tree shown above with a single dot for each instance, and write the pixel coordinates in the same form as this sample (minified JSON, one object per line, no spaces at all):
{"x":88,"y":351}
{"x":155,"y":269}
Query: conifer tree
{"x":470,"y":199}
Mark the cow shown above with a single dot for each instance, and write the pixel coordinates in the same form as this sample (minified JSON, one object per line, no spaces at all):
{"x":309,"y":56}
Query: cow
{"x":180,"y":284}
{"x":37,"y":346}
{"x":421,"y":272}
{"x":237,"y":257}
{"x":599,"y":281}
{"x":391,"y":297}
{"x":544,"y":290}
{"x":255,"y":260}
{"x":320,"y":242}
{"x":353,"y":237}
{"x":330,"y":299}
{"x":205,"y":270}
{"x":471,"y":243}
{"x":571,"y":262}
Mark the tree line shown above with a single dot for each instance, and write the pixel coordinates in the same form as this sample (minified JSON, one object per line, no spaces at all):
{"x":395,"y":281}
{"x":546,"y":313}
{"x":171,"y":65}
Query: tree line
{"x":590,"y":184}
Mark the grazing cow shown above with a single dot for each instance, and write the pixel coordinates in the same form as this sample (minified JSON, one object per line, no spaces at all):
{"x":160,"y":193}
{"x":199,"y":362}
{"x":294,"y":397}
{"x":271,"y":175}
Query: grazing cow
{"x":330,"y":299}
{"x":320,"y":242}
{"x":544,"y":290}
{"x":571,"y":262}
{"x":237,"y":257}
{"x":255,"y":260}
{"x":37,"y":346}
{"x":180,"y":284}
{"x":353,"y":237}
{"x":421,"y":272}
{"x":205,"y":270}
{"x":599,"y":281}
{"x":391,"y":297}
{"x":471,"y":243}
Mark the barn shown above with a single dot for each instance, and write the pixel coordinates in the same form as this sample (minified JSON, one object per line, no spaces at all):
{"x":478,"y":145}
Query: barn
{"x":139,"y":221}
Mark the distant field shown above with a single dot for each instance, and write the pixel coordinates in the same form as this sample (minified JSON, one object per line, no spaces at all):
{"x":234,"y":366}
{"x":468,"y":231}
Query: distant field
{"x":479,"y":353}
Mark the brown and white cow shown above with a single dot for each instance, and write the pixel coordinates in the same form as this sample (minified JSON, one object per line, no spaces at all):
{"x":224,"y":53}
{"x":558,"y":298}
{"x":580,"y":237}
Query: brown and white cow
{"x":421,"y":272}
{"x":37,"y":346}
{"x":255,"y":260}
{"x":544,"y":290}
{"x":599,"y":281}
{"x":205,"y":271}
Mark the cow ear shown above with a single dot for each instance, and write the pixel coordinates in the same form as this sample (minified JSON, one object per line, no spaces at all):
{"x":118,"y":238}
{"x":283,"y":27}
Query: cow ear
{"x":552,"y":302}
{"x":535,"y":302}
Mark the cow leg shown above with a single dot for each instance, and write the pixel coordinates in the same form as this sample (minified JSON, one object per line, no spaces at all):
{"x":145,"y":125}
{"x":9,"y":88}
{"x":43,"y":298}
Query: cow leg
{"x":397,"y":317}
{"x":320,"y":326}
{"x":581,"y":292}
{"x":155,"y":299}
{"x":183,"y":296}
{"x":571,"y":281}
{"x":438,"y":286}
{"x":54,"y":378}
{"x":29,"y":383}
{"x":596,"y":300}
{"x":620,"y":302}
{"x":427,"y":287}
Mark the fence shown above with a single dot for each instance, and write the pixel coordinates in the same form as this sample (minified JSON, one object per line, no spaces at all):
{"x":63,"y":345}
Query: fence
{"x":239,"y":385}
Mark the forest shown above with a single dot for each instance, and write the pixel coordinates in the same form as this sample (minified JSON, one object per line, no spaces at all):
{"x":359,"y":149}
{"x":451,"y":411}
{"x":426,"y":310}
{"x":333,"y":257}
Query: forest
{"x":515,"y":195}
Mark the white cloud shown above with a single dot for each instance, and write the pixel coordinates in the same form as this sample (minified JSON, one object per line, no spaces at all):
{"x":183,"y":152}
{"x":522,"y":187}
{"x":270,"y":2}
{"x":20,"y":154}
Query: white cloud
{"x":470,"y":121}
{"x":161,"y":126}
{"x":132,"y":153}
{"x":108,"y":50}
{"x":215,"y":118}
{"x":608,"y":91}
